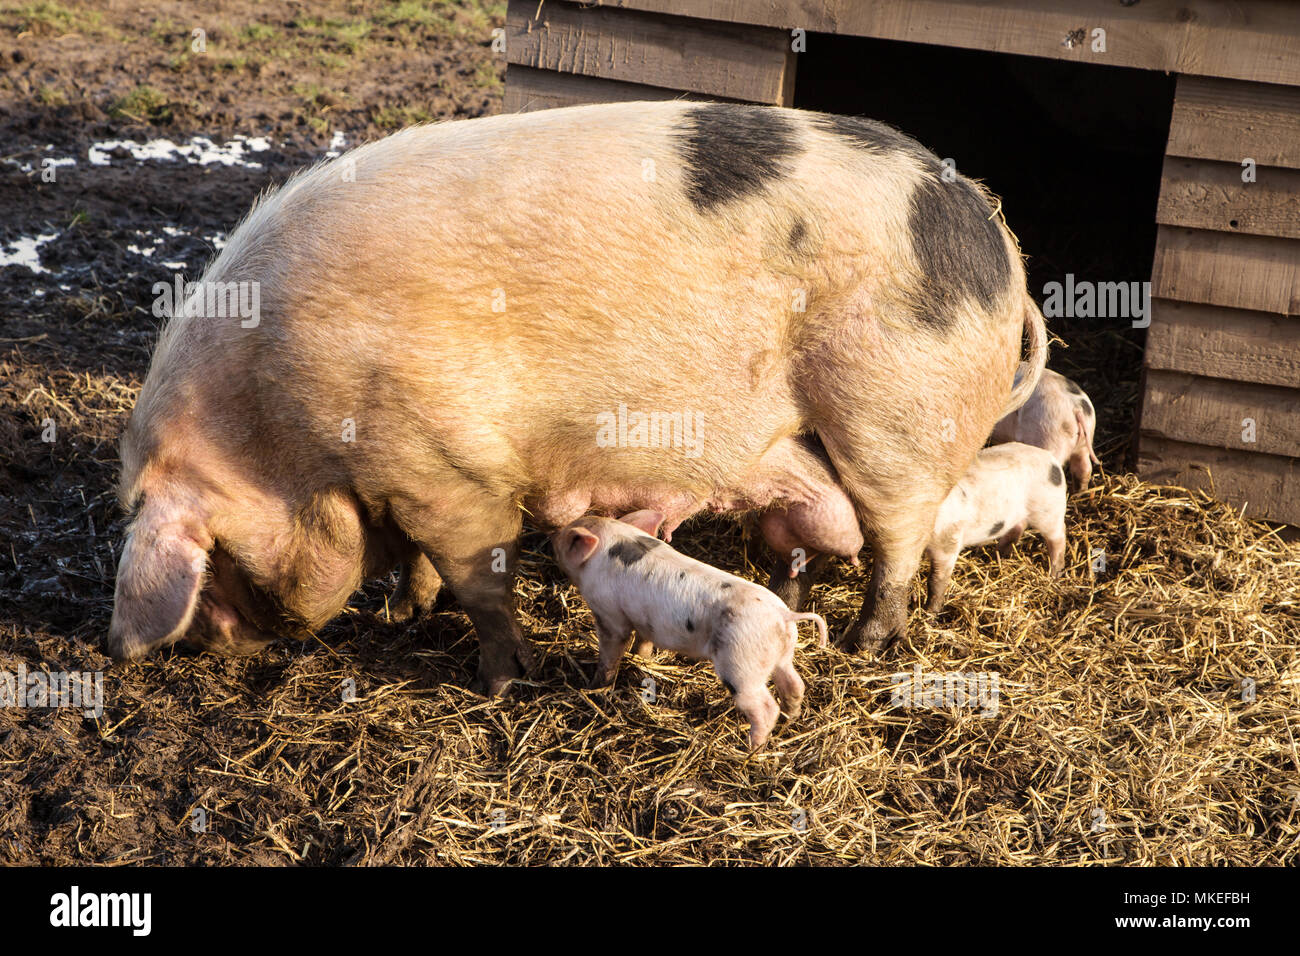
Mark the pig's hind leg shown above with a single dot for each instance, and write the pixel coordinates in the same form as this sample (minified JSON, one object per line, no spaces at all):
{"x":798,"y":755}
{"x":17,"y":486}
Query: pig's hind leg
{"x":896,"y":496}
{"x":1008,"y":540}
{"x":1051,"y":525}
{"x":789,"y":685}
{"x":1055,"y":541}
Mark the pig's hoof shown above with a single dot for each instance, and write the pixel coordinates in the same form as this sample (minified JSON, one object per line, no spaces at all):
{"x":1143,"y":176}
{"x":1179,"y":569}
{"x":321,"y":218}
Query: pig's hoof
{"x":411,"y":609}
{"x":494,"y":681}
{"x":401,"y":613}
{"x":491,"y":686}
{"x":866,"y":640}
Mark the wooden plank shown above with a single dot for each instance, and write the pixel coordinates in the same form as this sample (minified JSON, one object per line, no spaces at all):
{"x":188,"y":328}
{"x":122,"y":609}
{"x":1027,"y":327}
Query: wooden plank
{"x":1210,"y":411}
{"x":1230,"y":121}
{"x":1224,"y":343}
{"x":528,"y":89}
{"x":1267,"y":485}
{"x":1209,"y":195}
{"x":1243,"y":272}
{"x":738,"y":62}
{"x":1249,"y":40}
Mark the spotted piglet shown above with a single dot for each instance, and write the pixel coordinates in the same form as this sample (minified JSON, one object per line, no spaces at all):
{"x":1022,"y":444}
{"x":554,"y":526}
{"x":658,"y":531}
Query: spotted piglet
{"x":1059,"y":418}
{"x":635,"y":582}
{"x":1008,"y":488}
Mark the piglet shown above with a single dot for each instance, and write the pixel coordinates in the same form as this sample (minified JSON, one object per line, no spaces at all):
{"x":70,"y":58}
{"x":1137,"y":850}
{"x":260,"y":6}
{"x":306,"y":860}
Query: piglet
{"x":1059,"y":418}
{"x":1008,"y":488}
{"x":635,"y":582}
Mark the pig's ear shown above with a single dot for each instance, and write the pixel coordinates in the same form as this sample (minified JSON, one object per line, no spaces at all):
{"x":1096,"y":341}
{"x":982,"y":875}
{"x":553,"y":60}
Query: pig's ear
{"x":158,"y":583}
{"x":578,"y":545}
{"x":647,"y":521}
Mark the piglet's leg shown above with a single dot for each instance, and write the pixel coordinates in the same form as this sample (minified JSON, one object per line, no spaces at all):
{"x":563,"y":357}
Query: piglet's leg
{"x":615,"y":638}
{"x":1081,"y":468}
{"x":1054,"y":538}
{"x":643,"y":647}
{"x":942,"y":561}
{"x":747,"y":681}
{"x":759,"y":706}
{"x":789,"y":685}
{"x":1010,"y":538}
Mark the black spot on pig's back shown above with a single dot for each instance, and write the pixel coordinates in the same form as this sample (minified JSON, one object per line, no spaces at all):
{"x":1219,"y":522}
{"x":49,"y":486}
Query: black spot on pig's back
{"x":955,"y":235}
{"x":1055,"y":475}
{"x":959,"y":247}
{"x":628,"y":551}
{"x":872,"y":135}
{"x":733,"y":151}
{"x":797,"y":233}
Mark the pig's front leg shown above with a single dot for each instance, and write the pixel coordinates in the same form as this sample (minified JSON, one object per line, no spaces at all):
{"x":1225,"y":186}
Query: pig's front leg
{"x":472,"y":540}
{"x":615,"y":638}
{"x":417,"y":588}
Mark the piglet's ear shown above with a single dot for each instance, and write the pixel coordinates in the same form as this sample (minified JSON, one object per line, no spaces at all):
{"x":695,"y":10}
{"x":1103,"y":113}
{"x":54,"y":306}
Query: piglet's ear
{"x":158,"y":584}
{"x":579,"y":545}
{"x":647,"y":521}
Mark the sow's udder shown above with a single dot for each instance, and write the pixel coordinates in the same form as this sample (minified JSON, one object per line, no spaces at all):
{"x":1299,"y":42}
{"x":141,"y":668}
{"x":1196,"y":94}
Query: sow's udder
{"x":794,"y":486}
{"x":805,"y":509}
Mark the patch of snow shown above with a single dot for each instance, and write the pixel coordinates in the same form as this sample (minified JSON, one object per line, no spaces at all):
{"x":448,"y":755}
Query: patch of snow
{"x":24,"y":251}
{"x":338,"y":143}
{"x":199,"y":151}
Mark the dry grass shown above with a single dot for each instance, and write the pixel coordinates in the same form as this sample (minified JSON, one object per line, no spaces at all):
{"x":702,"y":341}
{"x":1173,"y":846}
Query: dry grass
{"x":1121,"y":704}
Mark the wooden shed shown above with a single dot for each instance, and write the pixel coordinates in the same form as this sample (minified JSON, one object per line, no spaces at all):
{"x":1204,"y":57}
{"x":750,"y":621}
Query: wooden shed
{"x":1220,"y":396}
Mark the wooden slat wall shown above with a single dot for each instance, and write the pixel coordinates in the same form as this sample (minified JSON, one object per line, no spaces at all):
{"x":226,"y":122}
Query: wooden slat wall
{"x":1230,"y":121}
{"x":1221,"y":401}
{"x":1203,"y":194}
{"x":1264,"y":484}
{"x":561,"y":53}
{"x":1257,"y":40}
{"x":529,"y":89}
{"x":1224,"y":343}
{"x":1247,"y":272}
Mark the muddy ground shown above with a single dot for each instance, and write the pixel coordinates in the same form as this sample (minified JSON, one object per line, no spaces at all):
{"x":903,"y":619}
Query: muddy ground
{"x":1123,"y":689}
